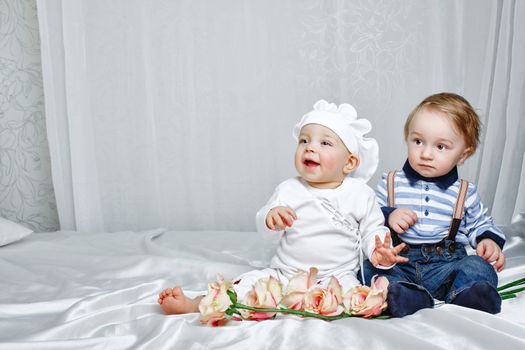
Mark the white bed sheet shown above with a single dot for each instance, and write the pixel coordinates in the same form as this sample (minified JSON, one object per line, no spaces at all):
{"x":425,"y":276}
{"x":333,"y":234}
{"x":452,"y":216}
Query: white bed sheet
{"x":69,"y":290}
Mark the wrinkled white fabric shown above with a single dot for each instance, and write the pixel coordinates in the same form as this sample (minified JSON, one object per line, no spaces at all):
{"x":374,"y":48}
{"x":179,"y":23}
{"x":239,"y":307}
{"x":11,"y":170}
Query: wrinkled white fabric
{"x":69,"y":290}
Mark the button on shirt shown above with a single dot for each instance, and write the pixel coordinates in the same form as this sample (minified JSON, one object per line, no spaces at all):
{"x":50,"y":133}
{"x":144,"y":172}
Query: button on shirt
{"x":424,"y":204}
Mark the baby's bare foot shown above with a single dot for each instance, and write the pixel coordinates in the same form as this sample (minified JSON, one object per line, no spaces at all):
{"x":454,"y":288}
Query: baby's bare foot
{"x":173,"y":301}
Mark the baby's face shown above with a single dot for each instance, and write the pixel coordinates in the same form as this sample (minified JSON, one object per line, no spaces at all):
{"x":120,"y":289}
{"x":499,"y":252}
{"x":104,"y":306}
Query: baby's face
{"x":434,"y":144}
{"x":321,"y":156}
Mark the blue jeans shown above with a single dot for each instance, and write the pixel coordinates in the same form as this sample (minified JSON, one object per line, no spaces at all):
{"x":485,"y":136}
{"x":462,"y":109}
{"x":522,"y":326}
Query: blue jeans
{"x":442,"y":271}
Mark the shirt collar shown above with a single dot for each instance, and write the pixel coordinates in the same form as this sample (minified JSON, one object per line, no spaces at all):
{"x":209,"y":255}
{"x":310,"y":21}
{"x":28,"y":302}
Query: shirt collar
{"x":443,"y":181}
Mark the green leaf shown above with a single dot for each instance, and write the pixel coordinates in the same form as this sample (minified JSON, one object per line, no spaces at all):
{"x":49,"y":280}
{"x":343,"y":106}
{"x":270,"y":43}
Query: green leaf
{"x":232,"y":295}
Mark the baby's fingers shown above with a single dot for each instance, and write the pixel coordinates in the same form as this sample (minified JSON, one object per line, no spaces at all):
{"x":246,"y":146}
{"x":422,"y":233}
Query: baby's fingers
{"x":378,"y":242}
{"x":401,"y":259}
{"x":270,"y":223}
{"x":488,"y":253}
{"x":402,"y":224}
{"x":388,"y":240}
{"x":278,"y":222}
{"x":494,"y":256}
{"x":398,"y":248}
{"x":291,"y":212}
{"x":500,"y":263}
{"x":413,"y":217}
{"x":286,"y":218}
{"x":398,"y":229}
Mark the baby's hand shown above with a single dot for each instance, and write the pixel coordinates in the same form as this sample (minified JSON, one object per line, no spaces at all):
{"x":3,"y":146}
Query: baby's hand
{"x":401,"y":219}
{"x":386,"y":256}
{"x":280,"y":217}
{"x":490,"y":251}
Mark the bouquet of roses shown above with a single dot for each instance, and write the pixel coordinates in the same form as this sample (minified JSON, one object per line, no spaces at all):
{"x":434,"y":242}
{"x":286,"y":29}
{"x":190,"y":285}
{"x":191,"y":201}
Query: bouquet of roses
{"x":303,"y":297}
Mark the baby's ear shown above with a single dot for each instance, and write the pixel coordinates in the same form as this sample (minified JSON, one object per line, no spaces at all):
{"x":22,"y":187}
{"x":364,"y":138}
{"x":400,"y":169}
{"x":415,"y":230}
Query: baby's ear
{"x":467,"y":152}
{"x":351,"y":163}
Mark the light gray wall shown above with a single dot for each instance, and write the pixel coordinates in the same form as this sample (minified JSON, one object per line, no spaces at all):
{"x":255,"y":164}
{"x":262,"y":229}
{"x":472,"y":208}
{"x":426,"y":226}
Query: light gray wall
{"x":26,"y":190}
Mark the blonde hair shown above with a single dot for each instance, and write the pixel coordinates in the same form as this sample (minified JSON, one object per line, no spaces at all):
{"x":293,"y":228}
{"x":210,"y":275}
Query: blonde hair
{"x":460,"y":112}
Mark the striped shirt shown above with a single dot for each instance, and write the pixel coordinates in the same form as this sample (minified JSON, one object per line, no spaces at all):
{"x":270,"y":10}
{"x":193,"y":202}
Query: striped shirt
{"x":433,"y":200}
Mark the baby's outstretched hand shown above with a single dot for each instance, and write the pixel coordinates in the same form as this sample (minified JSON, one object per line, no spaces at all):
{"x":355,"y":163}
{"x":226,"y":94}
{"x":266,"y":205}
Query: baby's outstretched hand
{"x":385,"y":255}
{"x":279,"y":218}
{"x":490,"y":251}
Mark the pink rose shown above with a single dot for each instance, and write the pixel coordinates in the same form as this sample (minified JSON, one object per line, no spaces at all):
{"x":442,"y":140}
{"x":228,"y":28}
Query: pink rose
{"x":365,"y":301}
{"x":325,"y":301}
{"x":266,"y":293}
{"x":297,"y":287}
{"x":213,"y":306}
{"x":334,"y":287}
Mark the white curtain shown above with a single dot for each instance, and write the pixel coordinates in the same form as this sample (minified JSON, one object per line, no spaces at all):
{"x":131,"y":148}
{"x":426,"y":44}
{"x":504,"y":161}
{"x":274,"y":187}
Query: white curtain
{"x":502,"y":164}
{"x":179,"y":113}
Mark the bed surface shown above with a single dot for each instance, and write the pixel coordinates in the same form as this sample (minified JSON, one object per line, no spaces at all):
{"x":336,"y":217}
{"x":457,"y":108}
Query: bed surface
{"x":70,"y":290}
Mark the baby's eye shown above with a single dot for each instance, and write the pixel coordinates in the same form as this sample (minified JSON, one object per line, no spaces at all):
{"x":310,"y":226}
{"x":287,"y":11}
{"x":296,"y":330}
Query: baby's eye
{"x":441,"y":147}
{"x":418,"y":142}
{"x":303,"y":140}
{"x":326,"y":143}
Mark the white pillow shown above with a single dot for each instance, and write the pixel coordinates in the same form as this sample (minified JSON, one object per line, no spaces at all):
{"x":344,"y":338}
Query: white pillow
{"x":11,"y":231}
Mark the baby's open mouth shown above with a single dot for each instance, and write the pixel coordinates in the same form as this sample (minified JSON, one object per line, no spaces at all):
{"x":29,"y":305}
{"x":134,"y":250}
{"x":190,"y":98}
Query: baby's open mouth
{"x":310,"y":163}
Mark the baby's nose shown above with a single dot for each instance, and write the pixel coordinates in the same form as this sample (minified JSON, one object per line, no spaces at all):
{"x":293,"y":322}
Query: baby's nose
{"x":310,"y":148}
{"x":427,"y":152}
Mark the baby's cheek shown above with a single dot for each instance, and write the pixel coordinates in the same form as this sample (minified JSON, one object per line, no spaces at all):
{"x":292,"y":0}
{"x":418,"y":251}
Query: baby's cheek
{"x":334,"y":163}
{"x":330,"y":164}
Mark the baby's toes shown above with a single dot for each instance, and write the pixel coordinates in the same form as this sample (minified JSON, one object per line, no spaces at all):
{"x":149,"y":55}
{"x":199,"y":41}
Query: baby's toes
{"x":166,"y":293}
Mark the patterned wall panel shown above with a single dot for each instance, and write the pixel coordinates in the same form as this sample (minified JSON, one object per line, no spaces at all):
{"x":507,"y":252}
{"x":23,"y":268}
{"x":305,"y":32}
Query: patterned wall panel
{"x":26,"y":190}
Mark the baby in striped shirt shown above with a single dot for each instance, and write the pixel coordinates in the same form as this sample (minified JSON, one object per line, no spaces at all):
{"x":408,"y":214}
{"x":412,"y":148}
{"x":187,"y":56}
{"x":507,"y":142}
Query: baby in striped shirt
{"x":436,"y":214}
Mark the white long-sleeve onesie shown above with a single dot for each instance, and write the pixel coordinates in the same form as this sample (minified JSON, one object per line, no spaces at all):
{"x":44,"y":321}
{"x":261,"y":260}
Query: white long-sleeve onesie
{"x":321,"y":236}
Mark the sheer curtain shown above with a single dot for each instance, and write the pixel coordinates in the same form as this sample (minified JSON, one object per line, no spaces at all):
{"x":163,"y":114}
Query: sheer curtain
{"x":179,"y":113}
{"x":502,"y":164}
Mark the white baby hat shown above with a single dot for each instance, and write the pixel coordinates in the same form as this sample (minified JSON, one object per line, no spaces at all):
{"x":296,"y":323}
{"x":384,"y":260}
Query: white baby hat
{"x":343,"y":121}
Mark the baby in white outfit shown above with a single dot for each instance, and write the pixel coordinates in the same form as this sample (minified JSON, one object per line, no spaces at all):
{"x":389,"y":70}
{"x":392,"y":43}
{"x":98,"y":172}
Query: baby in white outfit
{"x":328,"y":216}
